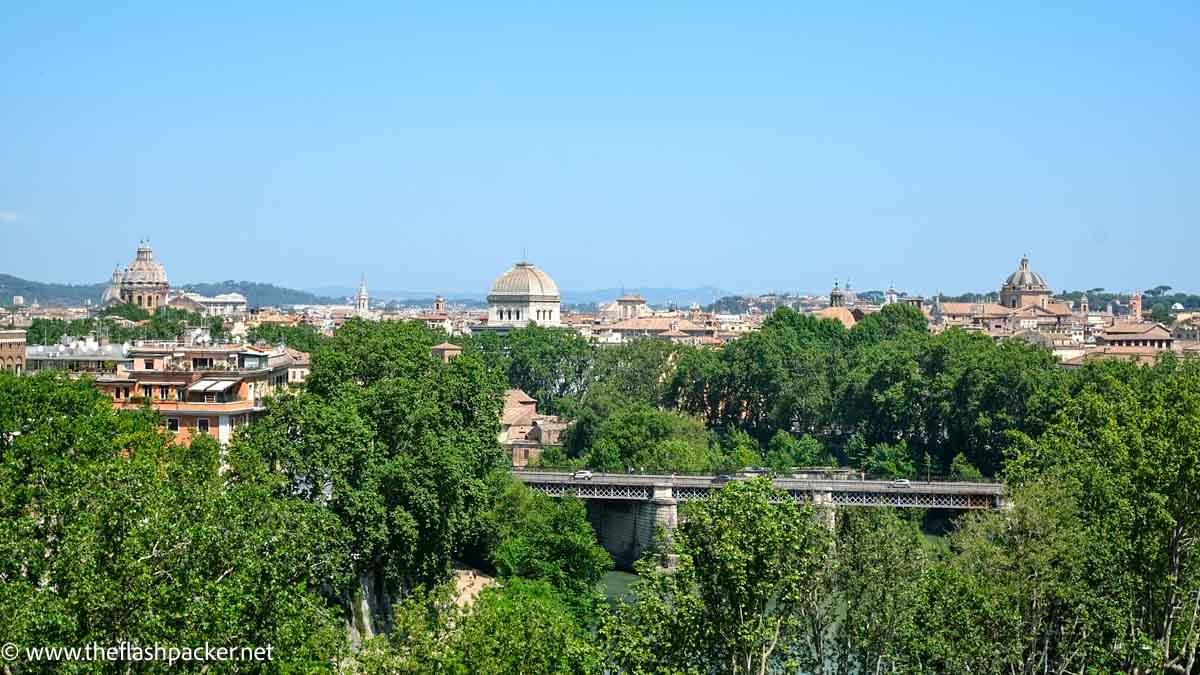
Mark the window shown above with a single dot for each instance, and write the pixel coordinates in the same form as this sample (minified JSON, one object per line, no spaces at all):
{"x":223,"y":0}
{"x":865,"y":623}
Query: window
{"x":164,"y":392}
{"x":147,"y":390}
{"x":148,"y":364}
{"x":202,"y":425}
{"x":173,"y":424}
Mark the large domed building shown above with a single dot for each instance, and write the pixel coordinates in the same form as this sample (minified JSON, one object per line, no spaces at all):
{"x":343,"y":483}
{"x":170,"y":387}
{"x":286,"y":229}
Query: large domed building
{"x":142,"y":283}
{"x":1024,"y":288}
{"x":522,"y":295}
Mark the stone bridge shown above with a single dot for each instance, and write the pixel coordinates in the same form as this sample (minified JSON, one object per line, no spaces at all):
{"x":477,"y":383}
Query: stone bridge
{"x":625,"y":509}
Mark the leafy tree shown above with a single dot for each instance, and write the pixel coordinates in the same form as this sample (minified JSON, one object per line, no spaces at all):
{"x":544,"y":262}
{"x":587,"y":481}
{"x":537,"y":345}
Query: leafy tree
{"x":961,"y":469}
{"x":641,"y":436}
{"x":304,"y":337}
{"x":740,"y":450}
{"x":537,"y":537}
{"x":1024,"y":592}
{"x":950,"y":393}
{"x":419,"y":641}
{"x":786,"y":451}
{"x":633,"y":372}
{"x":1161,"y":312}
{"x":400,"y":446}
{"x":111,"y":532}
{"x":1127,"y":445}
{"x":880,"y":563}
{"x":521,"y":626}
{"x":890,"y":461}
{"x":781,"y":377}
{"x":889,"y":322}
{"x":127,"y":311}
{"x":750,"y":592}
{"x":548,"y":364}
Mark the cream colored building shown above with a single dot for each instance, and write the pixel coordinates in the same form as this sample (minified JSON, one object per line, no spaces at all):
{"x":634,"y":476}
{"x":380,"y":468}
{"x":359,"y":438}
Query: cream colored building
{"x":523,"y":295}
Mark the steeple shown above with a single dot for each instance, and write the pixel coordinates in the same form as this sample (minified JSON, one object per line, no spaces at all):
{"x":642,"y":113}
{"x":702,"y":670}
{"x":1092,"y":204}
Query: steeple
{"x":836,"y":297}
{"x":361,"y":301}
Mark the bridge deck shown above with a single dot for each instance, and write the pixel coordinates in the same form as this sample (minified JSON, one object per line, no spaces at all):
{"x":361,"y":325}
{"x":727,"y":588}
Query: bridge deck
{"x":916,"y":494}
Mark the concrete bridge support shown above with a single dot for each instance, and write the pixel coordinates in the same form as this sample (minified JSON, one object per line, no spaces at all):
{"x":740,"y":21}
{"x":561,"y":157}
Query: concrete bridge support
{"x":826,"y":510}
{"x":626,"y":529}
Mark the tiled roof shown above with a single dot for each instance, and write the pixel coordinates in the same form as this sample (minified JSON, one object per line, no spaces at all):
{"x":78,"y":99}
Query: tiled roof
{"x":656,"y":324}
{"x":1128,"y":328}
{"x":974,"y":309}
{"x":837,"y":314}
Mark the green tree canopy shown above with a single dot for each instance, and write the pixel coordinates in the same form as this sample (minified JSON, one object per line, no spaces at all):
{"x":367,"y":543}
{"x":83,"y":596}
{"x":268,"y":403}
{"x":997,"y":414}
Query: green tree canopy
{"x":537,"y":537}
{"x":113,"y":533}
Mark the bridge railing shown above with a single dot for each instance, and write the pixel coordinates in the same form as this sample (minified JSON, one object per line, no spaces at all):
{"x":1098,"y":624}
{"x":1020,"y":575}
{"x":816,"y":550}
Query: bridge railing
{"x":934,"y":494}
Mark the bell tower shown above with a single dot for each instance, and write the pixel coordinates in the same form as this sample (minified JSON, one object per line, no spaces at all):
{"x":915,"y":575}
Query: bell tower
{"x":362,"y":301}
{"x":836,"y":297}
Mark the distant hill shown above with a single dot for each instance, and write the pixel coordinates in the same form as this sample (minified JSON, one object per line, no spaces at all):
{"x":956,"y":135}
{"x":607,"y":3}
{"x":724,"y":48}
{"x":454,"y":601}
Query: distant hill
{"x":48,"y":294}
{"x":257,"y":294}
{"x":263,"y":295}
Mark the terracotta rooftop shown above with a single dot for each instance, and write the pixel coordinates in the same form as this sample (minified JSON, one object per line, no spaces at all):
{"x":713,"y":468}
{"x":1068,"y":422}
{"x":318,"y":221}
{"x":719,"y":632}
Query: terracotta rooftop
{"x":845,"y":316}
{"x":974,"y":308}
{"x":656,"y":324}
{"x":1129,"y":328}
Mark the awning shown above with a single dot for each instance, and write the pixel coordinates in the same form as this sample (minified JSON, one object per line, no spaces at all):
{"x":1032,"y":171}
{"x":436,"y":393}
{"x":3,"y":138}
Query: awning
{"x":212,"y":385}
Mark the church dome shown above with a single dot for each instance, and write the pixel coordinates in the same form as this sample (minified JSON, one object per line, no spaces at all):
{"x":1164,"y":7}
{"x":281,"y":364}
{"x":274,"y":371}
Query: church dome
{"x":1025,"y":278}
{"x":524,"y":280}
{"x":144,"y":270}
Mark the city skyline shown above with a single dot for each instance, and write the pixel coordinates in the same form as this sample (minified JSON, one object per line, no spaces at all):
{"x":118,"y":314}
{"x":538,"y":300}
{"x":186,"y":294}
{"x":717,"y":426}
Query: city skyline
{"x":777,"y":149}
{"x":342,"y":288}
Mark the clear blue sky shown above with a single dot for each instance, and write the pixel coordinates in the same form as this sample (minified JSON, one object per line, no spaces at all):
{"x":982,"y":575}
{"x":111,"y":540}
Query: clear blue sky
{"x":751,"y":146}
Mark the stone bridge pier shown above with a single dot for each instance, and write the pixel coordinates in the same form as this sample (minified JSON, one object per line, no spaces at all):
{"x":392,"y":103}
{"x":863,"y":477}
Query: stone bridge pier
{"x":626,"y":529}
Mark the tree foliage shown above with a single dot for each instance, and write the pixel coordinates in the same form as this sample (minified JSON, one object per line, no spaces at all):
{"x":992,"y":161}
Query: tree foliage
{"x":537,"y":537}
{"x":112,"y":533}
{"x":396,"y":443}
{"x":304,"y":337}
{"x":750,"y":578}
